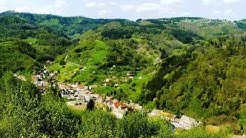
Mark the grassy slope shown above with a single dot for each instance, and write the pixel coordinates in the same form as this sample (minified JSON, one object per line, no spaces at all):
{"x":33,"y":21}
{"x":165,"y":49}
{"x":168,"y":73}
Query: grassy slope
{"x":82,"y":66}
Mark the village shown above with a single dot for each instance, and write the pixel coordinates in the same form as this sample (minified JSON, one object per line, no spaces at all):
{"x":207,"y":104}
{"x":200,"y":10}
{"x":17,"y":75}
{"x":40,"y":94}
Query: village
{"x":78,"y":97}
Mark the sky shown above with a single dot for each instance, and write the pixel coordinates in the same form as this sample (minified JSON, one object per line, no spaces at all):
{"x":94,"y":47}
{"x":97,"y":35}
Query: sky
{"x":131,"y":9}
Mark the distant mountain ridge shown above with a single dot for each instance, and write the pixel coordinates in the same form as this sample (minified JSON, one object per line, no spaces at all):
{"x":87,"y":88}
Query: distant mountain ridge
{"x":78,"y":24}
{"x":69,"y":25}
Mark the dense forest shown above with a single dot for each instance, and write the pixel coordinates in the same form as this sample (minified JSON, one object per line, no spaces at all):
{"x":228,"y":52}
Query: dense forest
{"x":184,"y":65}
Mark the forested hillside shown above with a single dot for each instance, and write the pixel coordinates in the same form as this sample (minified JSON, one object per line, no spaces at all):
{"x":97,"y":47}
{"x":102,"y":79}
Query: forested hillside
{"x":69,"y":26}
{"x":187,"y":65}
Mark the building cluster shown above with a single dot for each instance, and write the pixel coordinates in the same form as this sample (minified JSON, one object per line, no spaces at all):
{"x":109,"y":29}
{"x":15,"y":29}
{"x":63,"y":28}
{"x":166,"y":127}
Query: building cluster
{"x":118,"y":108}
{"x":82,"y":95}
{"x":79,"y":96}
{"x":184,"y":122}
{"x":42,"y":77}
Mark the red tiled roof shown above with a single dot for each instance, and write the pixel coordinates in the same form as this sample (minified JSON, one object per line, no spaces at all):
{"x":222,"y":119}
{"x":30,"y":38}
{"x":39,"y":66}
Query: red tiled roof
{"x":124,"y":106}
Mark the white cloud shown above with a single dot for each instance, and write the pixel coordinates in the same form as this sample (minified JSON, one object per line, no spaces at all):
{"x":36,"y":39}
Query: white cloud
{"x":207,"y":2}
{"x":141,"y":8}
{"x":216,"y":12}
{"x":112,"y":3}
{"x":132,"y":9}
{"x":228,"y":12}
{"x":60,"y":3}
{"x":219,"y":2}
{"x":90,"y":4}
{"x":169,"y":2}
{"x":230,"y":1}
{"x":186,"y":14}
{"x":147,"y":7}
{"x":173,"y":12}
{"x":57,"y":7}
{"x":102,"y":4}
{"x":43,"y":10}
{"x":126,"y":8}
{"x":102,"y":13}
{"x":3,"y":5}
{"x":149,"y":10}
{"x":93,"y":4}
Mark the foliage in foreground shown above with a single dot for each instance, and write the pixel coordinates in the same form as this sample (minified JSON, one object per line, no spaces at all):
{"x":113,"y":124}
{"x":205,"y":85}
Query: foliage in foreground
{"x":25,"y":113}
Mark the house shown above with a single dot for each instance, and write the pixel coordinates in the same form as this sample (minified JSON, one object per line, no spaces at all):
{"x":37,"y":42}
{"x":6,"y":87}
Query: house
{"x":71,"y":97}
{"x":175,"y":123}
{"x":65,"y":94}
{"x":138,"y":107}
{"x":187,"y":122}
{"x":41,"y":88}
{"x":119,"y":113}
{"x":169,"y":116}
{"x":62,"y":86}
{"x":74,"y":85}
{"x":100,"y":99}
{"x":35,"y":80}
{"x":95,"y":96}
{"x":110,"y":103}
{"x":135,"y":107}
{"x":88,"y":97}
{"x":124,"y":107}
{"x":81,"y":97}
{"x":156,"y":113}
{"x":107,"y":80}
{"x":80,"y":88}
{"x":116,"y":85}
{"x":46,"y":72}
{"x":76,"y":94}
{"x":116,"y":104}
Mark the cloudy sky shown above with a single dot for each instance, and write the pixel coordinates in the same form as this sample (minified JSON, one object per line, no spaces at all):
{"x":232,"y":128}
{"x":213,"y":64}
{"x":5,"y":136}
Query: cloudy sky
{"x":131,"y":9}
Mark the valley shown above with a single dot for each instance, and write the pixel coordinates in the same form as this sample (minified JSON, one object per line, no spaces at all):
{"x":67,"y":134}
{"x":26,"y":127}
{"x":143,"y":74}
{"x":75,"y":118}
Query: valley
{"x":166,"y":70}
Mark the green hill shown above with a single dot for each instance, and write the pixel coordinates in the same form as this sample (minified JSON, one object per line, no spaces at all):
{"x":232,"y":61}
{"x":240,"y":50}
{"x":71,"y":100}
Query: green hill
{"x":69,"y":26}
{"x":186,"y":65}
{"x":169,"y":65}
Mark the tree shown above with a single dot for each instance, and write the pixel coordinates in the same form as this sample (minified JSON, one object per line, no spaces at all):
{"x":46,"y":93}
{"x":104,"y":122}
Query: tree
{"x":26,"y":48}
{"x":90,"y":105}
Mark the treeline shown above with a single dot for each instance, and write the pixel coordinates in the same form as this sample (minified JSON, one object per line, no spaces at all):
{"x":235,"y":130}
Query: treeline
{"x":69,"y":26}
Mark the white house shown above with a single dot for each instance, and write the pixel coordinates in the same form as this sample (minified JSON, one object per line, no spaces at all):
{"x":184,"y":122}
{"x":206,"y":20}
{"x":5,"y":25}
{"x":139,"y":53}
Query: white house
{"x":138,"y":107}
{"x":187,"y":122}
{"x":119,"y":113}
{"x":88,"y":97}
{"x":156,"y":113}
